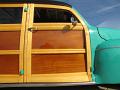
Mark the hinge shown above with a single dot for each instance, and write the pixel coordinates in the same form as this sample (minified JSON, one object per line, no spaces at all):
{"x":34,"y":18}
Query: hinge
{"x":25,"y":9}
{"x":22,"y":72}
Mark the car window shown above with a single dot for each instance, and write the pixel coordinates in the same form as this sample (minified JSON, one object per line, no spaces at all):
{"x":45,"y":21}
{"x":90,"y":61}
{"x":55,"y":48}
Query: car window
{"x":10,"y":15}
{"x":46,"y":15}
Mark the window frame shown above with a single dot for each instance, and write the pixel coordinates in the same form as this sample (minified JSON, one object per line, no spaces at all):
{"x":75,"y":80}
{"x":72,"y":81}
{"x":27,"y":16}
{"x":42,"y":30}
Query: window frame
{"x":57,"y":10}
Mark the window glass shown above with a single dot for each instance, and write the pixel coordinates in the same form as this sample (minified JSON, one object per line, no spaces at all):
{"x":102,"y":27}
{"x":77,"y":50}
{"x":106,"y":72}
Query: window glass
{"x":10,"y":15}
{"x":42,"y":15}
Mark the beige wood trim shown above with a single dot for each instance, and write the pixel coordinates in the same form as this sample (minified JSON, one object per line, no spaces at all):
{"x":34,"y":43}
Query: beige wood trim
{"x":88,"y":50}
{"x":53,"y":24}
{"x":57,"y":51}
{"x":9,"y":78}
{"x":52,"y":6}
{"x":58,"y":26}
{"x":28,"y":41}
{"x":10,"y":27}
{"x":11,"y":5}
{"x":61,"y":7}
{"x":22,"y":40}
{"x":25,"y":45}
{"x":61,"y":77}
{"x":6,"y":52}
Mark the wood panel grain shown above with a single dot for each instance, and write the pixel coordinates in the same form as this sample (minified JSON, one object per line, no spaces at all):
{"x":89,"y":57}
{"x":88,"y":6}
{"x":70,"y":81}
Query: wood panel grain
{"x":9,"y":40}
{"x":9,"y":64}
{"x":58,"y":63}
{"x":58,"y":39}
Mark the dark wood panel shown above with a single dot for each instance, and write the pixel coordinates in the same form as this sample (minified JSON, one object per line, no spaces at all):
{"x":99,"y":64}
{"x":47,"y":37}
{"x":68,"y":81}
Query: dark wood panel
{"x":9,"y":64}
{"x":9,"y":40}
{"x":58,"y":39}
{"x":63,"y":63}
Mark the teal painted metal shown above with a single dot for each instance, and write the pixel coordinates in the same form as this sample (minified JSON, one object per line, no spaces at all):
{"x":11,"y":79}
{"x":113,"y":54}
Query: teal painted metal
{"x":107,"y":62}
{"x":22,"y":72}
{"x":109,"y":33}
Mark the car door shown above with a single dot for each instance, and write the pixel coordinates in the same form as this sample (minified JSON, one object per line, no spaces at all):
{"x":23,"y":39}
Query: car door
{"x":12,"y":29}
{"x":57,"y":46}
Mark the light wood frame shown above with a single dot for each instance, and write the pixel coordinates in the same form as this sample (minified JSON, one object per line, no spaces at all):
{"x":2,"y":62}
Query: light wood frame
{"x":85,"y":76}
{"x":10,"y":78}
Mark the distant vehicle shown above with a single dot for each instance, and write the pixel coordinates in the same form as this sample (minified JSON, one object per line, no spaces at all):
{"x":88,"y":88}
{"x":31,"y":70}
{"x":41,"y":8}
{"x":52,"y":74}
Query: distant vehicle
{"x":48,"y":43}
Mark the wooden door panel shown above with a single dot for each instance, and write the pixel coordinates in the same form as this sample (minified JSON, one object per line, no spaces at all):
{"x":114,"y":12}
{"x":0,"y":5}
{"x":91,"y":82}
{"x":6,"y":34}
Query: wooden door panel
{"x":9,"y":40}
{"x":58,"y":39}
{"x":56,"y":50}
{"x":9,"y":64}
{"x":12,"y":28}
{"x":58,"y":63}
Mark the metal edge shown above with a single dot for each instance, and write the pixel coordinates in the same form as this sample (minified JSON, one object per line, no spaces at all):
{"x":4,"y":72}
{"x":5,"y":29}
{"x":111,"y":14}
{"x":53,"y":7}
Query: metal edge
{"x":45,"y":84}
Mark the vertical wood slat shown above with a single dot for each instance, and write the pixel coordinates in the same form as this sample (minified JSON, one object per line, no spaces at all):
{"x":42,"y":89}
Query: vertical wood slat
{"x":28,"y":41}
{"x":22,"y":43}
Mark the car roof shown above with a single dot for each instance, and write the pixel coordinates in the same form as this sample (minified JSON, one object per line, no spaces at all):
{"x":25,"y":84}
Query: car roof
{"x":37,"y":1}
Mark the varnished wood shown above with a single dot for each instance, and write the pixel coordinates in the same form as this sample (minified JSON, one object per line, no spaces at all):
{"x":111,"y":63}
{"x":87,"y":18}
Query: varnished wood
{"x":40,"y":78}
{"x":9,"y":40}
{"x":61,"y":77}
{"x":59,"y":26}
{"x":8,"y":52}
{"x":58,"y":63}
{"x":52,"y":6}
{"x":9,"y":64}
{"x":11,"y":51}
{"x":11,"y":5}
{"x":58,"y":51}
{"x":58,"y":39}
{"x":22,"y":43}
{"x":88,"y":49}
{"x":28,"y":45}
{"x":9,"y":78}
{"x":10,"y":27}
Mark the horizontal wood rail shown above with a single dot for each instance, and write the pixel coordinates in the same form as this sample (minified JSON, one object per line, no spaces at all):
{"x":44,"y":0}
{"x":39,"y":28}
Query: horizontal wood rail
{"x":57,"y":26}
{"x":9,"y":78}
{"x":61,"y":77}
{"x":57,"y":51}
{"x":11,"y":5}
{"x":10,"y":27}
{"x":7,"y":52}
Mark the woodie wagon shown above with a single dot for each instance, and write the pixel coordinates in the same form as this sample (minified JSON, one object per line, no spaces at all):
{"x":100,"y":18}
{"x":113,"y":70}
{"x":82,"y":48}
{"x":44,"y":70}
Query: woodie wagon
{"x":46,"y":42}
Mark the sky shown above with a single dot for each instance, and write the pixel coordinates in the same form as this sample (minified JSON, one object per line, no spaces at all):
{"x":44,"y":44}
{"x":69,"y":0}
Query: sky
{"x":100,"y":13}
